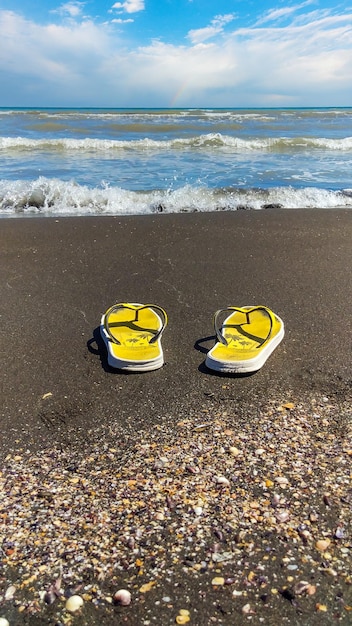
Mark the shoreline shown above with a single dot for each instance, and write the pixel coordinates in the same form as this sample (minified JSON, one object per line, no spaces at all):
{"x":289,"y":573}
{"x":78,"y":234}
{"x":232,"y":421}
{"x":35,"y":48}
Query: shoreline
{"x":163,"y":482}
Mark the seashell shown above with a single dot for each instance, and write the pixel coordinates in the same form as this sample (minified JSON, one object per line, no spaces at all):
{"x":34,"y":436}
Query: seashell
{"x":147,"y":586}
{"x":220,"y":557}
{"x":283,"y":516}
{"x":322,"y":544}
{"x":74,"y":603}
{"x":50,"y":597}
{"x":301,"y":587}
{"x":182,"y":619}
{"x":218,"y":534}
{"x":281,"y":480}
{"x":171,"y":504}
{"x":123,"y":597}
{"x":218,"y":581}
{"x":330,"y":571}
{"x":339,"y":532}
{"x":198,"y":510}
{"x":221,"y":480}
{"x":276,"y":499}
{"x":201,"y":427}
{"x":10,"y":592}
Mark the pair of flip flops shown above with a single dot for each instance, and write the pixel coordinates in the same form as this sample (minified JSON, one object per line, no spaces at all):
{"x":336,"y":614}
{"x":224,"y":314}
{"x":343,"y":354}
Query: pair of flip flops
{"x":245,"y":339}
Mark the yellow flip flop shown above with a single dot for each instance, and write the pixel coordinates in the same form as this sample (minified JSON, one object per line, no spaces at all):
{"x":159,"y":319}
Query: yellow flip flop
{"x":246,"y":339}
{"x":132,"y":334}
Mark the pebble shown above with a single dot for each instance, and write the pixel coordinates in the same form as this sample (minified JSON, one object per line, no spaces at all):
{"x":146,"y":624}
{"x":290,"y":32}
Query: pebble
{"x":4,"y":622}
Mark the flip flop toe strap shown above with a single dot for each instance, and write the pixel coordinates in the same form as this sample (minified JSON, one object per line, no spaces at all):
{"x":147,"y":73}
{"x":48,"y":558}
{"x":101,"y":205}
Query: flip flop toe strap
{"x":239,"y":327}
{"x":133,"y":324}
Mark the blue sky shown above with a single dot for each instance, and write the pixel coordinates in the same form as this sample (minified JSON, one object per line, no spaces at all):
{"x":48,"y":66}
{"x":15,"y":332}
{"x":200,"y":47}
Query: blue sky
{"x":175,"y":53}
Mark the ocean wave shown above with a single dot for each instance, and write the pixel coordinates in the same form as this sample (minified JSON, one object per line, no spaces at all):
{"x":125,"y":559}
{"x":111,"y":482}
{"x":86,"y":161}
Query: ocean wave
{"x":209,"y":140}
{"x":55,"y":197}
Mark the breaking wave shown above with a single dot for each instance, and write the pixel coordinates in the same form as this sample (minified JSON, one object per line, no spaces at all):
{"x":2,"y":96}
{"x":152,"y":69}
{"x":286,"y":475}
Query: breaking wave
{"x":209,"y":140}
{"x":55,"y":197}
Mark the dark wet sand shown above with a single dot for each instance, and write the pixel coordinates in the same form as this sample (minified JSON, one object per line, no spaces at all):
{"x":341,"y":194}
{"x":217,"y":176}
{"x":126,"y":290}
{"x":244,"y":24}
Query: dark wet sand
{"x":59,"y":275}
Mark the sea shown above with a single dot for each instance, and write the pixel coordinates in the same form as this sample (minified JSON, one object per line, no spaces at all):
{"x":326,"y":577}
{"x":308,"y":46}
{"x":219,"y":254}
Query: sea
{"x":77,"y":162}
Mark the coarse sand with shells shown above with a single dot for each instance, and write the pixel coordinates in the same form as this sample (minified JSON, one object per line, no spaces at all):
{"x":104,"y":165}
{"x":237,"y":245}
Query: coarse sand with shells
{"x":215,"y":518}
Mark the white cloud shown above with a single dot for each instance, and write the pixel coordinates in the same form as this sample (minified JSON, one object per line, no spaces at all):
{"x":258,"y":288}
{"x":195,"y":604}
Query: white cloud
{"x":130,"y":6}
{"x":215,"y":28}
{"x":50,"y":61}
{"x":121,"y":21}
{"x":83,"y":63}
{"x":277,"y":14}
{"x":73,"y":9}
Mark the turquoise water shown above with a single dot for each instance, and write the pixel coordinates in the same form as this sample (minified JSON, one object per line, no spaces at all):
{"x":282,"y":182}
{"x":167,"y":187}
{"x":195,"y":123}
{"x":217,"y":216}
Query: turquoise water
{"x":134,"y":161}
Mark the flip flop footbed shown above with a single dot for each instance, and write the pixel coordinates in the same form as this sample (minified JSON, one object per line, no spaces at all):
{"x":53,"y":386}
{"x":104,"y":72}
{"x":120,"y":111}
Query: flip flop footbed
{"x":250,"y":335}
{"x":131,"y":328}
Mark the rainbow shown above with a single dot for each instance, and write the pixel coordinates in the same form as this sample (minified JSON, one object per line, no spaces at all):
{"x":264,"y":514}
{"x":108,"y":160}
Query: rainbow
{"x":179,"y":93}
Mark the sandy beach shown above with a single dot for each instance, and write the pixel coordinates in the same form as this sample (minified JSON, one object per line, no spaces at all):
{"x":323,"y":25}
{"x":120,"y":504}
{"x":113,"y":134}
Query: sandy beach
{"x":62,"y":405}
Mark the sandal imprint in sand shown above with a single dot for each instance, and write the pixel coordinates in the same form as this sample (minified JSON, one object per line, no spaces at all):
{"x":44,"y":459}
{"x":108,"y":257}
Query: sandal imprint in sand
{"x":132,"y":334}
{"x":246,"y":339}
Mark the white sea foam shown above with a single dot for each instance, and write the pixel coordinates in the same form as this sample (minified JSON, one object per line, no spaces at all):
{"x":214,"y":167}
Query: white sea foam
{"x":209,"y":140}
{"x":56,"y":197}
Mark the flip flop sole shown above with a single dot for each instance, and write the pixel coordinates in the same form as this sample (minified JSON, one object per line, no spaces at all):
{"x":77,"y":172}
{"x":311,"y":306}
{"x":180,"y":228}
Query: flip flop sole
{"x":131,"y":365}
{"x":136,"y":353}
{"x":240,"y":362}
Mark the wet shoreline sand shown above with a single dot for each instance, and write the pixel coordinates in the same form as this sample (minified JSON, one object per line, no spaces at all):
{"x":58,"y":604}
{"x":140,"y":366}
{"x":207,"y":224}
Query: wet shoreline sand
{"x":76,"y":434}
